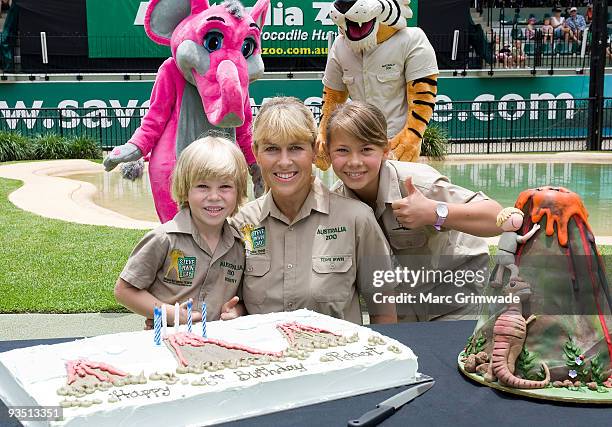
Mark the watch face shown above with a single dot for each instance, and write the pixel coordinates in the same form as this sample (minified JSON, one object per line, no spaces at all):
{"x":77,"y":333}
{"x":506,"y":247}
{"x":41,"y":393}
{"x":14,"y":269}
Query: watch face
{"x":442,"y":210}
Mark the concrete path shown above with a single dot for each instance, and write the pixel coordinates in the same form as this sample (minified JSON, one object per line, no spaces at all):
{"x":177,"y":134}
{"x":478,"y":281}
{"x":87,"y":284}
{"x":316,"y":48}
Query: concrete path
{"x":46,"y":194}
{"x":35,"y":326}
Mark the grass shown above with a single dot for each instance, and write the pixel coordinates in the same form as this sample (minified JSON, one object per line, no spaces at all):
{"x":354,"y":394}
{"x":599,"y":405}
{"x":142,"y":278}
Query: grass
{"x":52,"y":266}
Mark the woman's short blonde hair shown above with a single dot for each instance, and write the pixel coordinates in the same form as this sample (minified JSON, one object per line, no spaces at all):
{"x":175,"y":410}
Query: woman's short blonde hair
{"x":211,"y":157}
{"x":284,"y":119}
{"x":505,"y":214}
{"x":360,"y":120}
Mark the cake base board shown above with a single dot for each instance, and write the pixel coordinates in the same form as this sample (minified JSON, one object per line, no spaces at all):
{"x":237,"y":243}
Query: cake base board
{"x":584,"y":396}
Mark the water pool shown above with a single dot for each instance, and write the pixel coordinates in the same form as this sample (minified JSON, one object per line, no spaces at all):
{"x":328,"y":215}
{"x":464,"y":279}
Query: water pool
{"x":130,"y":198}
{"x":504,"y":182}
{"x":501,"y":181}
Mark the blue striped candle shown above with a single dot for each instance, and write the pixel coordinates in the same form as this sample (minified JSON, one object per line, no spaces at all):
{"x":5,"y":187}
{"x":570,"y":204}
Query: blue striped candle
{"x":189,"y":320}
{"x":203,"y":319}
{"x":157,"y":323}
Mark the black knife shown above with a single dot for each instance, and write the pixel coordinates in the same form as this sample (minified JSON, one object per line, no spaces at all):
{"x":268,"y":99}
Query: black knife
{"x":388,"y":407}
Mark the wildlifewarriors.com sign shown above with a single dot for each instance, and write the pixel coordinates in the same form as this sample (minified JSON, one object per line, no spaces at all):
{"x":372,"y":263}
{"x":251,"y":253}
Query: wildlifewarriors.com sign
{"x":292,"y":28}
{"x":111,"y":111}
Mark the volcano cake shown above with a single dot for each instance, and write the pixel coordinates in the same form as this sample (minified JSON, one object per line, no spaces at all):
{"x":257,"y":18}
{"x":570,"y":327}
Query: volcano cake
{"x":551,"y":339}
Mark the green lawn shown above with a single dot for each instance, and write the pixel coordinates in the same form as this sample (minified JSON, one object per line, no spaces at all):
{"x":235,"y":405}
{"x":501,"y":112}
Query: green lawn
{"x":52,"y":266}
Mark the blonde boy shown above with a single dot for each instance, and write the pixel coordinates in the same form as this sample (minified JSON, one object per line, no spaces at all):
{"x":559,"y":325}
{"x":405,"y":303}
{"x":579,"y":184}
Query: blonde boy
{"x":197,"y":254}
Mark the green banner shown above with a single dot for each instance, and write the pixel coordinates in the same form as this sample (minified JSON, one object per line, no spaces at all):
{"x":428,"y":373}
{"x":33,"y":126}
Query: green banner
{"x":293,"y":28}
{"x":115,"y":29}
{"x":500,"y":108}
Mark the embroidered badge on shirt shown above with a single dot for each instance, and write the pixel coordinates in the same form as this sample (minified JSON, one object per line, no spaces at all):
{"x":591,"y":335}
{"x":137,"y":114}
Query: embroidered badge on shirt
{"x":331,"y":233}
{"x":181,"y":268}
{"x":230,"y":271}
{"x":246,"y":235}
{"x":254,"y":239}
{"x":389,"y":67}
{"x":258,"y":237}
{"x":186,"y":267}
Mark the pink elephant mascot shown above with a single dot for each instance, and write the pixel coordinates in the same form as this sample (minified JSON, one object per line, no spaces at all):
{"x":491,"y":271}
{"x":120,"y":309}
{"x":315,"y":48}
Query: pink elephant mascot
{"x":216,"y":53}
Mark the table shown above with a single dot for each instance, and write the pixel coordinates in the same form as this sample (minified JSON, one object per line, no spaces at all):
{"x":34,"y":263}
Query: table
{"x":453,"y":401}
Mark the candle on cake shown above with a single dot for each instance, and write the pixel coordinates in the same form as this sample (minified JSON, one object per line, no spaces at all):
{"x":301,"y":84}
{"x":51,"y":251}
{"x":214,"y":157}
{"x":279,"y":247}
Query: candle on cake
{"x":203,"y":319}
{"x":177,"y":317}
{"x":164,"y":317}
{"x":157,"y":324}
{"x":189,"y":319}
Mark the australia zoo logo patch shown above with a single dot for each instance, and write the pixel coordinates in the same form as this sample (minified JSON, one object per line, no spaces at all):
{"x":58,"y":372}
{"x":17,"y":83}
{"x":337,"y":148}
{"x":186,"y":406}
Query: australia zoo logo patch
{"x":181,"y":269}
{"x":254,"y":239}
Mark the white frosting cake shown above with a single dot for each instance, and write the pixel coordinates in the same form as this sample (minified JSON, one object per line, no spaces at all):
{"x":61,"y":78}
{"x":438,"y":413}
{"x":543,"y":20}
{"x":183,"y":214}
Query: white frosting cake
{"x":343,"y":360}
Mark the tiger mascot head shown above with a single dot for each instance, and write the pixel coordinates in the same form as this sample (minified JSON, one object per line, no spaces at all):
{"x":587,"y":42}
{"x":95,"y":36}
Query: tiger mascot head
{"x":365,"y":23}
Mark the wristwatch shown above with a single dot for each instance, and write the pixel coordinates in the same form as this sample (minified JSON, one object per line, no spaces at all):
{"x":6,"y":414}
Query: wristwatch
{"x":441,"y":214}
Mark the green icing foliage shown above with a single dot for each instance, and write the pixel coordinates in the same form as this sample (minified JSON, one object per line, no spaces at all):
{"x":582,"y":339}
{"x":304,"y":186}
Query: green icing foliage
{"x":474,"y":346}
{"x":599,"y":373}
{"x":468,"y":346}
{"x":480,"y":343}
{"x":572,"y":353}
{"x":525,"y":365}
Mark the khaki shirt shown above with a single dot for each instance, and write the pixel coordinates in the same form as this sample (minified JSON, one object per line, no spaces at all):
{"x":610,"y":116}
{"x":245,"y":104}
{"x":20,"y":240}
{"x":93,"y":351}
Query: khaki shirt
{"x":174,"y":264}
{"x":379,"y":75}
{"x":321,"y":260}
{"x":425,"y":247}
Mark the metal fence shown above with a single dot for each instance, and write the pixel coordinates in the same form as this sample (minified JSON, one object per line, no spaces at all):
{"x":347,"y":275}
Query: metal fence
{"x":544,"y":125}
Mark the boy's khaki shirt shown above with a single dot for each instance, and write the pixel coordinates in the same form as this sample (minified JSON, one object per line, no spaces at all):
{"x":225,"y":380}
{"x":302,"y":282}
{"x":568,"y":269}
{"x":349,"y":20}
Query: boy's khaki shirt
{"x":174,"y":264}
{"x":321,"y":260}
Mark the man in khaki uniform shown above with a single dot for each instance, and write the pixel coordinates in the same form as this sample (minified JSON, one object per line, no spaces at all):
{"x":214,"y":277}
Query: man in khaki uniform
{"x":459,"y":261}
{"x":321,"y":260}
{"x":174,"y":264}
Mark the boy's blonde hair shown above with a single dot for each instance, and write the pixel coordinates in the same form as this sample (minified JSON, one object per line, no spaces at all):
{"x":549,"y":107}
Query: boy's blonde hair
{"x":360,"y":120}
{"x":505,"y":214}
{"x":284,"y":119}
{"x":211,"y":157}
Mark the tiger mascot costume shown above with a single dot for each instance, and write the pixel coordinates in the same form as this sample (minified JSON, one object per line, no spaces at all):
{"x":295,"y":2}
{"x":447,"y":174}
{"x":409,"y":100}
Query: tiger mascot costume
{"x":378,"y":59}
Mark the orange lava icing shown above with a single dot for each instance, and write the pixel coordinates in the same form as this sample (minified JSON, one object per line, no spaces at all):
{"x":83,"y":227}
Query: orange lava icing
{"x":558,"y":204}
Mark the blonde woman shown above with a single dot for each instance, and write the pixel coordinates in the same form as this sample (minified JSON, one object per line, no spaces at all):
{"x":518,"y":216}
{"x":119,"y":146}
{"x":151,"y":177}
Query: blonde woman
{"x":307,"y":247}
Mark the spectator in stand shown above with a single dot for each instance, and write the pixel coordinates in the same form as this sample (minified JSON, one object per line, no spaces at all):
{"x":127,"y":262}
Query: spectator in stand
{"x":576,"y":25}
{"x":502,"y":53}
{"x":557,"y":22}
{"x":588,"y":16}
{"x":547,"y":30}
{"x":518,"y":54}
{"x":530,"y":33}
{"x":609,"y":49}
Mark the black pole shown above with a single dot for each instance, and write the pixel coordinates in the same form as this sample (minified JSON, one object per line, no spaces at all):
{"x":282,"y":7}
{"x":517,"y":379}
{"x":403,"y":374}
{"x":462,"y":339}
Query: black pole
{"x":599,"y":33}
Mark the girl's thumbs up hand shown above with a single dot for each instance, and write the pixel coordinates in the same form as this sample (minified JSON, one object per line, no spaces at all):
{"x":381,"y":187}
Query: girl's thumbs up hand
{"x":415,"y":210}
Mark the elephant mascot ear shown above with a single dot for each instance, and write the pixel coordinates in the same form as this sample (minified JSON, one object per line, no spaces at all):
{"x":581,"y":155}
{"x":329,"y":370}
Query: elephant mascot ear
{"x":163,"y":16}
{"x":259,"y":12}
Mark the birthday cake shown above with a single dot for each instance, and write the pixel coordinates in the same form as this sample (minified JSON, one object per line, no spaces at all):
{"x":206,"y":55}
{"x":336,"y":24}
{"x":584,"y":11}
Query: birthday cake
{"x":549,"y":336}
{"x":244,"y":367}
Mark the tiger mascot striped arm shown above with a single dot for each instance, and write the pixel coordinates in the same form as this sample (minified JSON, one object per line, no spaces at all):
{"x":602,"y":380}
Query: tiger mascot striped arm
{"x":363,"y":25}
{"x":421,"y":95}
